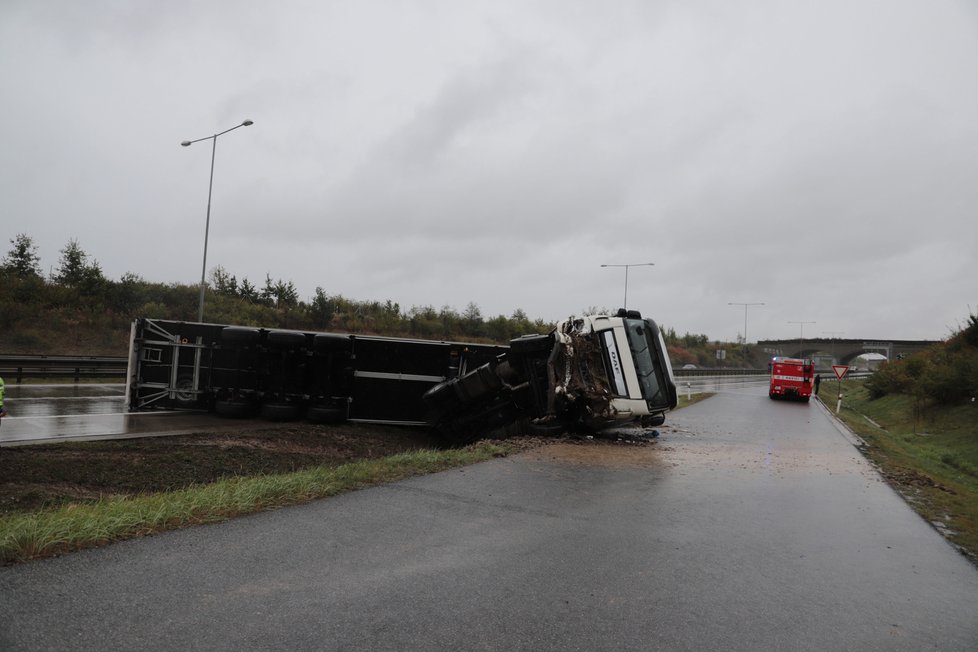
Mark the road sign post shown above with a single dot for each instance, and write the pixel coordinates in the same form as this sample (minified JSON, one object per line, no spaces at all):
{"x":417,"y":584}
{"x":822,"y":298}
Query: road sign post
{"x":840,"y":371}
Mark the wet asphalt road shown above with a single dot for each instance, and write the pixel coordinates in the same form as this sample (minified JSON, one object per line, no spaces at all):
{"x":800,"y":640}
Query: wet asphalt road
{"x":86,"y":411}
{"x":750,"y":525}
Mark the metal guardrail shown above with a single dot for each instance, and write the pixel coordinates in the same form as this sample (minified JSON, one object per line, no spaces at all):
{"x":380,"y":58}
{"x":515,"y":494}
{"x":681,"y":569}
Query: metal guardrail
{"x":731,"y":371}
{"x":15,"y":368}
{"x":718,"y":371}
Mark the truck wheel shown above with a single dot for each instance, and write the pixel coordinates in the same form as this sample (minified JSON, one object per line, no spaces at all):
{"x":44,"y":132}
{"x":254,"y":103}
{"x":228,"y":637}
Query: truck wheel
{"x":477,"y":383}
{"x":239,"y":335}
{"x":279,"y":411}
{"x":548,"y":429}
{"x":331,"y":343}
{"x":532,"y":344}
{"x":286,"y":339}
{"x":185,"y":395}
{"x":652,"y":420}
{"x":325,"y":414}
{"x":441,"y":395}
{"x":235,"y":409}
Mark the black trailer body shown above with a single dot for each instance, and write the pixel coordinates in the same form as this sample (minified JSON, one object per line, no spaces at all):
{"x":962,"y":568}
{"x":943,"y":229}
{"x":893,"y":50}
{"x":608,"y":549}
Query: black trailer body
{"x":589,"y":373}
{"x":281,"y":374}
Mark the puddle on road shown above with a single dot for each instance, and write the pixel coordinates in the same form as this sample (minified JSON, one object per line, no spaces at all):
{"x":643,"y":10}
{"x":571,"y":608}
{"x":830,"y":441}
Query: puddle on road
{"x":781,"y":459}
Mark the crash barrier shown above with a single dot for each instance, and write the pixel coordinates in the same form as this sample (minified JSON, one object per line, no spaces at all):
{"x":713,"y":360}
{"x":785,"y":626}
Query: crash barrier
{"x":15,"y":368}
{"x":719,"y":371}
{"x":732,"y":371}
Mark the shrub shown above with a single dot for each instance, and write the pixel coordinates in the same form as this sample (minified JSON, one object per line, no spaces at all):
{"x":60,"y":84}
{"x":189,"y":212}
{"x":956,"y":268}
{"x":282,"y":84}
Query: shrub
{"x":950,"y":379}
{"x":890,"y":378}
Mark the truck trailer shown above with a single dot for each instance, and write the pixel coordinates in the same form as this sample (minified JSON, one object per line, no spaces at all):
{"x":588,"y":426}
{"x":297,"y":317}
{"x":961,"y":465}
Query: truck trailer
{"x":791,"y":378}
{"x":588,"y":374}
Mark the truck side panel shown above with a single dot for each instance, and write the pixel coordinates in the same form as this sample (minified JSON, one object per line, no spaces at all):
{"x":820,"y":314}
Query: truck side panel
{"x":186,"y":365}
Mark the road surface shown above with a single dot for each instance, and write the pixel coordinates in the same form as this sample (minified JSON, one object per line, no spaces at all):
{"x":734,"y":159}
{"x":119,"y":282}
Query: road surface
{"x":750,"y":525}
{"x":85,"y":411}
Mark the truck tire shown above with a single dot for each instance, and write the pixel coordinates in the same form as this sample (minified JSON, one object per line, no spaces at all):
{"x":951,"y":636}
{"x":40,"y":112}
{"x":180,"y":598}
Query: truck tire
{"x":185,"y":396}
{"x":479,"y":382}
{"x":652,"y":420}
{"x":326,"y":414}
{"x":277,"y":411}
{"x":548,"y":429}
{"x":532,"y":344}
{"x":239,"y":336}
{"x":286,"y":339}
{"x":331,"y":343}
{"x":441,"y":395}
{"x":234,"y":409}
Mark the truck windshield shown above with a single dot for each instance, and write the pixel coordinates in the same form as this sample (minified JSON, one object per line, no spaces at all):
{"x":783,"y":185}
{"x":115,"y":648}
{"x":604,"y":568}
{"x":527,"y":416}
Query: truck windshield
{"x":648,"y":365}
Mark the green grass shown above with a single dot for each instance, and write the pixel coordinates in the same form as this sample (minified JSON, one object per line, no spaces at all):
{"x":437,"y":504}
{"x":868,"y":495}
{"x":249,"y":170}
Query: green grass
{"x":929,"y":453}
{"x":693,"y":399}
{"x":84,"y":525}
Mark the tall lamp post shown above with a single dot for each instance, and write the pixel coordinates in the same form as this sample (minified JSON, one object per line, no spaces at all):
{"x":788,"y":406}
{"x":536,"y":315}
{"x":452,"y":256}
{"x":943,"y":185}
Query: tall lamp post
{"x":801,"y":341}
{"x":734,"y":303}
{"x":207,"y":224}
{"x":625,"y":302}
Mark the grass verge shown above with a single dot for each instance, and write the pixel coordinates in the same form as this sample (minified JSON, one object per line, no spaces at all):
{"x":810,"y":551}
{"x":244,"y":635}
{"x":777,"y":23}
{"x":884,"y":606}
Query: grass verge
{"x":83,"y":525}
{"x":928,"y":454}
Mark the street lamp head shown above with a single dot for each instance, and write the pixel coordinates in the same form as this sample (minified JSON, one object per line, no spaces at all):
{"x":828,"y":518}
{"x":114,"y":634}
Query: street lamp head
{"x":186,"y":143}
{"x":247,"y":123}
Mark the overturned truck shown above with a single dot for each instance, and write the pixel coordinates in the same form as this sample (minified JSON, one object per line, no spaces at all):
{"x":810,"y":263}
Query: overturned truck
{"x":588,"y":374}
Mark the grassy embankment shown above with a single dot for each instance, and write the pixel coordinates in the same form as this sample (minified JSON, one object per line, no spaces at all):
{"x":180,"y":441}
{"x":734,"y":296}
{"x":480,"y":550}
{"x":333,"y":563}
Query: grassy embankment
{"x":67,"y":525}
{"x":929,"y":454}
{"x":86,"y":524}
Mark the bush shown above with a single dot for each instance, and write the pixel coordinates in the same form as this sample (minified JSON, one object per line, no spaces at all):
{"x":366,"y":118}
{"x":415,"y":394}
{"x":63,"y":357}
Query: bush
{"x":945,"y":374}
{"x":890,"y":378}
{"x":950,"y":379}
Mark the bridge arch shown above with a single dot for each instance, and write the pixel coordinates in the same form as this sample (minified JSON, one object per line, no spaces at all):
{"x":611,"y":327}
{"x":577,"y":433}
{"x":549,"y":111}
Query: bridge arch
{"x":843,"y":351}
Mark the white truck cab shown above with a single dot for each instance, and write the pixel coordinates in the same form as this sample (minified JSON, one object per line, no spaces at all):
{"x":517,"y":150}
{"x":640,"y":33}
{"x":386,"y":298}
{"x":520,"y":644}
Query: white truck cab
{"x":618,"y":364}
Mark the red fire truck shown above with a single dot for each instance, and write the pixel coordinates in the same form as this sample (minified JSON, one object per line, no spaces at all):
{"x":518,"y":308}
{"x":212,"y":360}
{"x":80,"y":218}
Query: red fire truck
{"x":791,"y":378}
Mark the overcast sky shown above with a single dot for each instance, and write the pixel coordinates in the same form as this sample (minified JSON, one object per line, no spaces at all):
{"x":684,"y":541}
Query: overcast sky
{"x":819,"y":157}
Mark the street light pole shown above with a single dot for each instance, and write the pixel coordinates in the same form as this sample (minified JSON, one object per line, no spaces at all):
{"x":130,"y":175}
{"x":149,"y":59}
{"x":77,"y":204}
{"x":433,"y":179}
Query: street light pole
{"x":207,"y":223}
{"x":733,"y":303}
{"x":801,"y":341}
{"x":625,"y":302}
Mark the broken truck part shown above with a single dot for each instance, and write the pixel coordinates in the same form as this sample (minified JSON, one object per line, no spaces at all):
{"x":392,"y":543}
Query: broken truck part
{"x":588,"y":374}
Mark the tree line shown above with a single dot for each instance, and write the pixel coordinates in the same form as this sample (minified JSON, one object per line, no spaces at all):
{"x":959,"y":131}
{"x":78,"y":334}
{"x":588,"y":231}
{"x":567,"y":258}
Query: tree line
{"x":78,"y":310}
{"x":943,"y":374}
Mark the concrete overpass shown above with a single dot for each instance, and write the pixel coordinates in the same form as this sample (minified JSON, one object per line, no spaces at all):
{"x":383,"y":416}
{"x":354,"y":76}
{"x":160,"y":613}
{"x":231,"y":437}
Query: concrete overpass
{"x":842,"y":351}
